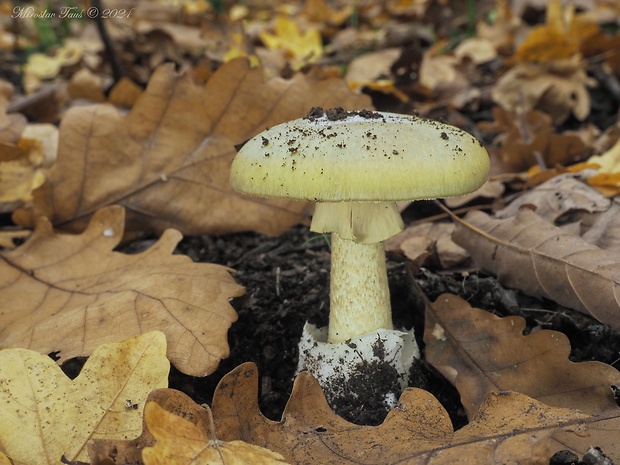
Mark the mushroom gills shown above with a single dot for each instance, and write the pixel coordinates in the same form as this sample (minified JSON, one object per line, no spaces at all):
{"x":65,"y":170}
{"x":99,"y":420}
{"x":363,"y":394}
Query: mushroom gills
{"x":362,"y":222}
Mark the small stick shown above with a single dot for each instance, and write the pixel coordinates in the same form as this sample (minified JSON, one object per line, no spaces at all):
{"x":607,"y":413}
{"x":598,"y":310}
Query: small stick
{"x":117,"y":69}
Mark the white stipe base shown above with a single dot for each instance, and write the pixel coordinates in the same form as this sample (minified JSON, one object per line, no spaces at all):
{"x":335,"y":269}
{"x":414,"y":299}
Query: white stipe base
{"x":376,"y":363}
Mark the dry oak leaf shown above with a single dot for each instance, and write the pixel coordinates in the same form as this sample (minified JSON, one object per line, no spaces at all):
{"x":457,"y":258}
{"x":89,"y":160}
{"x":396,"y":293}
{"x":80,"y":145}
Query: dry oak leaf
{"x":558,"y":88}
{"x":175,"y":429}
{"x":562,"y":194}
{"x":11,"y":125}
{"x":509,"y":428}
{"x":528,"y":253}
{"x":560,"y":37}
{"x":180,"y":405}
{"x":129,"y":451}
{"x":604,"y":228}
{"x":480,"y":353}
{"x":21,"y":164}
{"x":372,"y":70}
{"x":501,"y":32}
{"x":320,"y":12}
{"x":182,"y":441}
{"x":45,"y":415}
{"x":8,"y":237}
{"x":608,"y":179}
{"x":446,"y":78}
{"x":434,"y":238}
{"x":525,"y":135}
{"x":69,"y":293}
{"x":168,"y":161}
{"x":476,"y":49}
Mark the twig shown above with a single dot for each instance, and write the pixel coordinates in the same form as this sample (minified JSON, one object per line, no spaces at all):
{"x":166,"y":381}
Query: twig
{"x":117,"y":69}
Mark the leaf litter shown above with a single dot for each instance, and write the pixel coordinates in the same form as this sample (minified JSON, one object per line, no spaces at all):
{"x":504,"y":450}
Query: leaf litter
{"x":546,"y":91}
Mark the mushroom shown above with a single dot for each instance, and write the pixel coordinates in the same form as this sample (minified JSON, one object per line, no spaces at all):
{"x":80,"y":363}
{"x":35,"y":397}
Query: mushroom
{"x":356,"y":165}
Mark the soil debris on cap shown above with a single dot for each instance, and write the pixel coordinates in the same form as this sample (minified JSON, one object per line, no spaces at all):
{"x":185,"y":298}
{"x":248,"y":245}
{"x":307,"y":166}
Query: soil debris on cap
{"x":314,"y":113}
{"x":339,"y":114}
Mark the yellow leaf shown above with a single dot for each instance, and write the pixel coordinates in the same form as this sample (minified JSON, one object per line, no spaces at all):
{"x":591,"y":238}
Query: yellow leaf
{"x":20,"y":164}
{"x":238,"y":48}
{"x":180,"y":442}
{"x":558,"y":39}
{"x":41,"y":66}
{"x":558,"y":17}
{"x":18,"y":178}
{"x":608,"y":162}
{"x":69,"y":293}
{"x":302,"y":48}
{"x":607,"y":181}
{"x":45,"y":415}
{"x":607,"y":184}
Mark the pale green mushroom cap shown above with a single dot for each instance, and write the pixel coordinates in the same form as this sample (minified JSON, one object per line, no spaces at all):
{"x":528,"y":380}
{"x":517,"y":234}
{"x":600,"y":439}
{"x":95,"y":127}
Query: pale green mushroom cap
{"x":360,"y":157}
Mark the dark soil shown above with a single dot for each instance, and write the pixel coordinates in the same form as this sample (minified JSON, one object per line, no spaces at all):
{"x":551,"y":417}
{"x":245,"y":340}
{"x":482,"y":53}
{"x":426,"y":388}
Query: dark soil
{"x":287,"y":284}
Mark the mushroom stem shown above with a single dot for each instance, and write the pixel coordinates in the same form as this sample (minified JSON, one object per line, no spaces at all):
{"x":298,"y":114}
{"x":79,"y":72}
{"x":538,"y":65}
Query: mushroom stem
{"x":359,"y":292}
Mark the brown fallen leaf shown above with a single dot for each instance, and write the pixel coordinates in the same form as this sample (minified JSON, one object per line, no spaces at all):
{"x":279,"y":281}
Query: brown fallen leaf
{"x":527,"y":138}
{"x":46,"y":416}
{"x":503,"y":29}
{"x":560,"y":37}
{"x":168,"y":161}
{"x":508,"y":428}
{"x":183,"y":441}
{"x":604,"y":230}
{"x":125,"y":93}
{"x":558,"y":196}
{"x":69,"y":293}
{"x":416,"y":241}
{"x":492,"y":189}
{"x":177,"y":430}
{"x":559,"y":88}
{"x":481,"y":353}
{"x":320,"y":12}
{"x":18,"y":174}
{"x":11,"y":125}
{"x":102,"y":451}
{"x":21,"y":164}
{"x":373,"y":70}
{"x":8,"y":237}
{"x":526,"y":252}
{"x":447,"y":78}
{"x":85,"y":84}
{"x":478,"y":50}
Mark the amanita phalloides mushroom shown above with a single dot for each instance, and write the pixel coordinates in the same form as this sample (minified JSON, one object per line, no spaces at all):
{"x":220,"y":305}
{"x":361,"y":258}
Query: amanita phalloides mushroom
{"x":356,"y":165}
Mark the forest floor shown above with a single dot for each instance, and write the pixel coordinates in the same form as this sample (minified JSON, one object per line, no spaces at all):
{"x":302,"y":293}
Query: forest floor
{"x":287,"y":284}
